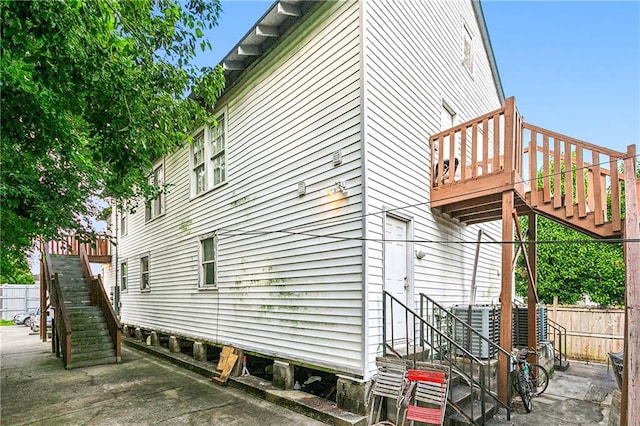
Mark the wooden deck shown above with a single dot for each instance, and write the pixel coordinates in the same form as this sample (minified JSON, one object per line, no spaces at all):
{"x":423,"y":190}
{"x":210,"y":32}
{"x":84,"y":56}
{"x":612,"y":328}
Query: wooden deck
{"x":98,"y":251}
{"x":499,"y":152}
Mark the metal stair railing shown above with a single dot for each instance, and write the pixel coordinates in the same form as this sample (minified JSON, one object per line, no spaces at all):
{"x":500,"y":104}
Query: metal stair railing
{"x":469,"y":336}
{"x":435,"y":345}
{"x":558,"y":336}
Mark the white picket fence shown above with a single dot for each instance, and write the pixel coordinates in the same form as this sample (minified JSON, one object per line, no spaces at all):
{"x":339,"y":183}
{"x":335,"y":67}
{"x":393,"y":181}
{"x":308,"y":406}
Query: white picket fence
{"x":18,"y":298}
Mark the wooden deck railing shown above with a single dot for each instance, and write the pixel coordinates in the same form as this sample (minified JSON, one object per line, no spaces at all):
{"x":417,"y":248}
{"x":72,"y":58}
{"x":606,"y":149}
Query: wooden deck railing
{"x":485,"y":145}
{"x":566,"y":177}
{"x":97,"y":250}
{"x":576,"y":176}
{"x":100,"y":299}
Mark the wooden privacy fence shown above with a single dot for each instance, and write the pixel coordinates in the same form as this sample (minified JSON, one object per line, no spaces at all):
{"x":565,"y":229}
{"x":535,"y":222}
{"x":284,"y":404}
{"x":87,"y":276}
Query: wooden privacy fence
{"x":591,"y":332}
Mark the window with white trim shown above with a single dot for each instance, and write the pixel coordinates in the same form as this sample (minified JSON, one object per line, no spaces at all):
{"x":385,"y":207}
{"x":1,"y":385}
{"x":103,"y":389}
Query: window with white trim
{"x":123,"y":219}
{"x":208,"y":157}
{"x":218,"y":145}
{"x":197,"y":159}
{"x":208,"y":249}
{"x":144,"y":273}
{"x":467,"y":49}
{"x":124,"y":276}
{"x":155,"y":207}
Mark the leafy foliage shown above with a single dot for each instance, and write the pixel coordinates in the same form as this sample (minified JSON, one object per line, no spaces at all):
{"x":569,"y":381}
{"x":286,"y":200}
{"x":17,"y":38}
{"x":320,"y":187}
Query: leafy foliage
{"x":571,"y":270}
{"x":92,"y":93}
{"x":14,"y":270}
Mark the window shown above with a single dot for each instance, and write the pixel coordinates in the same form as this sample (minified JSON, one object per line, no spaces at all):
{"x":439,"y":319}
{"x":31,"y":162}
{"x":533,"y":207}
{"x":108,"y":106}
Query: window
{"x":208,"y":157}
{"x":208,"y":250}
{"x":155,"y":207}
{"x":123,"y":276}
{"x":467,"y":49}
{"x":144,"y":273}
{"x":123,"y":219}
{"x":217,"y":151}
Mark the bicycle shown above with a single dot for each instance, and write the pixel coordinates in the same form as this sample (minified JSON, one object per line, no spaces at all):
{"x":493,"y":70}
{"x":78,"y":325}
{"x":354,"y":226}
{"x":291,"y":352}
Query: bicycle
{"x":532,"y":380}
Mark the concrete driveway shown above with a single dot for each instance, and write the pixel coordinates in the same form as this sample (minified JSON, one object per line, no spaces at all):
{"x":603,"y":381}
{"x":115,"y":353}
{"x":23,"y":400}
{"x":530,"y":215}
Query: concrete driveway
{"x":141,"y":390}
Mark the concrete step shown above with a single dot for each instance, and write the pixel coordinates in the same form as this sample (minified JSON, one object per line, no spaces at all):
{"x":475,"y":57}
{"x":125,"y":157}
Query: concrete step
{"x":458,"y":419}
{"x":111,"y":359}
{"x":84,"y":311}
{"x":77,"y":302}
{"x":89,"y":349}
{"x":88,"y":325}
{"x":90,"y":333}
{"x":461,"y":394}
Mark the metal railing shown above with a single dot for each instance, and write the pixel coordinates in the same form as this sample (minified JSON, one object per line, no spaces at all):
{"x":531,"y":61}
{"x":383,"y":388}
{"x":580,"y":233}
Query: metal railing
{"x":410,"y":335}
{"x":558,"y":335}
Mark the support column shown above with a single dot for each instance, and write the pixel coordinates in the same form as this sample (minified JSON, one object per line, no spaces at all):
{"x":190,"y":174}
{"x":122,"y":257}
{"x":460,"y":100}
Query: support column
{"x":506,"y":294}
{"x":532,"y":308}
{"x":630,"y":411}
{"x":283,"y":375}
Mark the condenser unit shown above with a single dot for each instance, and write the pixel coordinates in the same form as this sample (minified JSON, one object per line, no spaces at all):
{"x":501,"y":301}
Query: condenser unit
{"x":521,"y":325}
{"x":485,"y":319}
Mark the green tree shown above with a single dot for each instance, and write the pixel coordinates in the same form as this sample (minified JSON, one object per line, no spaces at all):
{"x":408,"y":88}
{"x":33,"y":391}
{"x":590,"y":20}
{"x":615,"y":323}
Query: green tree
{"x":570,"y":270}
{"x":93,"y":92}
{"x":14,"y":270}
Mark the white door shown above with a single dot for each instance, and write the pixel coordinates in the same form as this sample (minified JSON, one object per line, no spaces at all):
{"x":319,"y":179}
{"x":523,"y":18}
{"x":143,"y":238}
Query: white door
{"x":396,"y":276}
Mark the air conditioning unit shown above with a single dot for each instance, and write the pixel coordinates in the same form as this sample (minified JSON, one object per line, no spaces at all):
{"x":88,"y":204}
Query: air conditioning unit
{"x":521,"y":325}
{"x":485,"y":319}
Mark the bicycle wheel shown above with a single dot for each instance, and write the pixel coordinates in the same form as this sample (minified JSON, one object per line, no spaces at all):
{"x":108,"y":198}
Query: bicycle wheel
{"x":524,"y":389}
{"x":539,"y":379}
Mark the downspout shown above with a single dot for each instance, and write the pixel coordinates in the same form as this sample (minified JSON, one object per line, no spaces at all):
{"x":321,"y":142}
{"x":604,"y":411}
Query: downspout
{"x":472,"y":298}
{"x":116,"y":288}
{"x":364,"y":200}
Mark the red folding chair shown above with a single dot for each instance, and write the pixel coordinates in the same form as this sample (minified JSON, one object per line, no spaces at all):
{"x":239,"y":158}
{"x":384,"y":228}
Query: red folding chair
{"x":427,"y":397}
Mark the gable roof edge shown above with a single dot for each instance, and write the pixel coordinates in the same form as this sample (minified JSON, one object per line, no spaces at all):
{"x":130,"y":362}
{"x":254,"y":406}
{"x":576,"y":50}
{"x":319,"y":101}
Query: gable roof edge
{"x":486,"y":40}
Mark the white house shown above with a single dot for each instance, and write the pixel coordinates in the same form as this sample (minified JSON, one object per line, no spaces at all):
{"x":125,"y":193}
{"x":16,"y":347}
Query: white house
{"x":271,"y":236}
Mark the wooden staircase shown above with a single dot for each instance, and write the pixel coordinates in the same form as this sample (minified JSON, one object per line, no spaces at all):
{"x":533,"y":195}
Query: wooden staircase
{"x":85,"y":329}
{"x":91,"y":343}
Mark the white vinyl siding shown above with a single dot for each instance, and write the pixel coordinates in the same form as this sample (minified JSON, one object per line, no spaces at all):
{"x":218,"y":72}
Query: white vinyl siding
{"x":412,"y":63}
{"x":288,"y":267}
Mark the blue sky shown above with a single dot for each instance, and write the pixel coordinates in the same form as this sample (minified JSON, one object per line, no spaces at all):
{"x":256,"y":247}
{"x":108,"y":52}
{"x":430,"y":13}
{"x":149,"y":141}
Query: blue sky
{"x":573,"y":66}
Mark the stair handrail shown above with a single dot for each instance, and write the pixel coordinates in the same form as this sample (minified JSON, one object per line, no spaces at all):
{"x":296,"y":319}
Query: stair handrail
{"x":480,"y":383}
{"x":100,"y":299}
{"x":582,"y":187}
{"x":463,"y":323}
{"x":561,"y":347}
{"x":61,"y":319}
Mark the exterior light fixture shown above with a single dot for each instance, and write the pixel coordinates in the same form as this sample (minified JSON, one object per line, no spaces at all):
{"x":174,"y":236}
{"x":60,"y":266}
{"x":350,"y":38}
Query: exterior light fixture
{"x":339,"y":187}
{"x":420,"y":254}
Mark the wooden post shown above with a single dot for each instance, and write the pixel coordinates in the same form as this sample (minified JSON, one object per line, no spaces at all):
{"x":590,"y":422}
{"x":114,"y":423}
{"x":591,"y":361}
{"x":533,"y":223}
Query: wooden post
{"x":630,"y":411}
{"x":532,"y":310}
{"x":509,"y":136}
{"x":506,"y":295}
